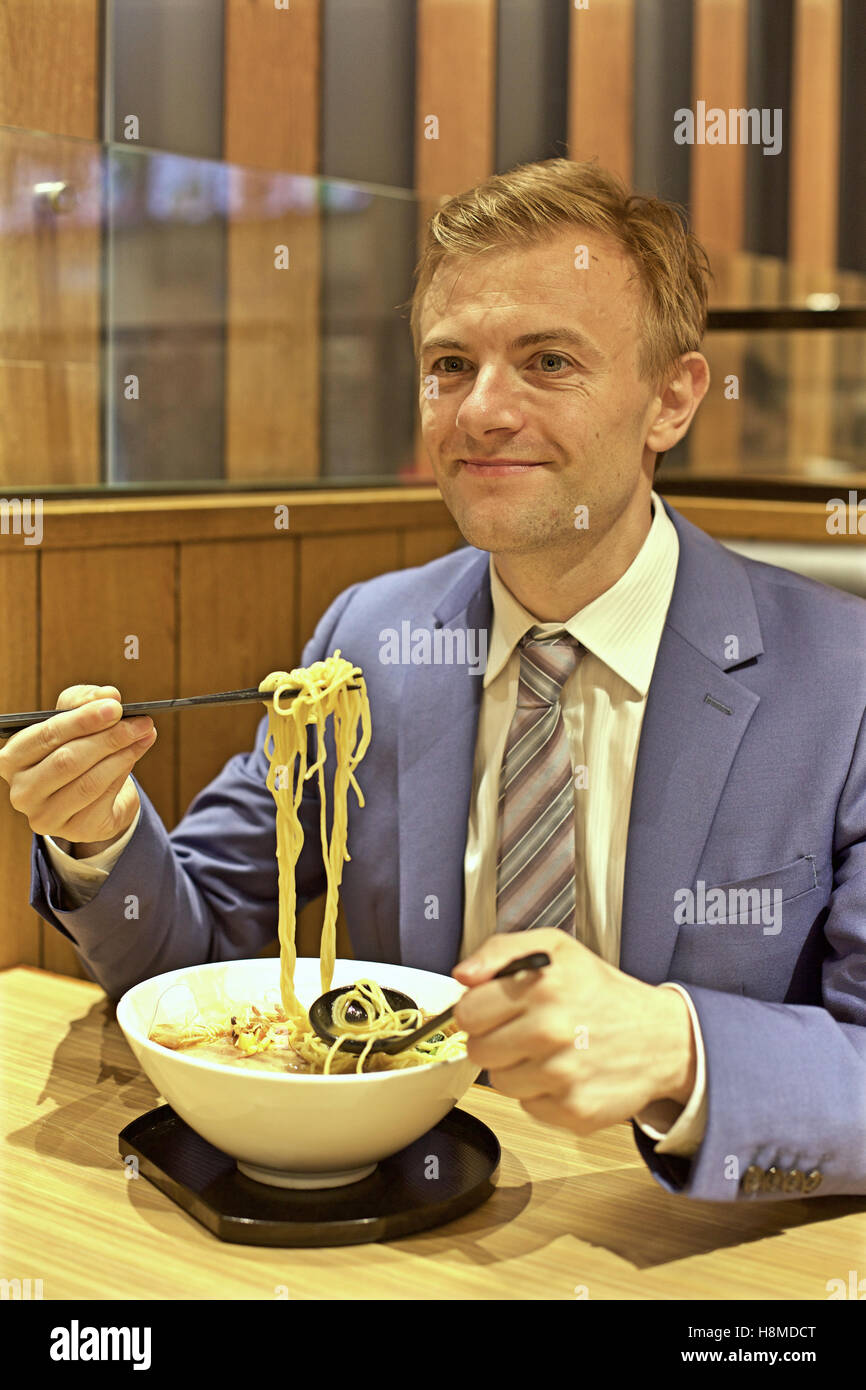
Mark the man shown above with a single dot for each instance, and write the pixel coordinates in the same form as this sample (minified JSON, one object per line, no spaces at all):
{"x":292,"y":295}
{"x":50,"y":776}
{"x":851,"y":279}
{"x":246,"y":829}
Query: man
{"x":659,"y":778}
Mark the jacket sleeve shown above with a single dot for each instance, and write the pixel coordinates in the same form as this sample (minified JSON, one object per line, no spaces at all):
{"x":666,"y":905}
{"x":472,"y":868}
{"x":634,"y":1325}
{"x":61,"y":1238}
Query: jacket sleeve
{"x":208,"y":890}
{"x":786,"y":1083}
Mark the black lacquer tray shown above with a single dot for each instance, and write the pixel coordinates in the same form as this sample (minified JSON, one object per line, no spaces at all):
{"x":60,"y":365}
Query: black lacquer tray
{"x":397,"y":1199}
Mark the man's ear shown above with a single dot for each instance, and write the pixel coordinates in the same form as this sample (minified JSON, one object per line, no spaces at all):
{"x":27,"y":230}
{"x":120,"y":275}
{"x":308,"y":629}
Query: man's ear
{"x":685,"y":389}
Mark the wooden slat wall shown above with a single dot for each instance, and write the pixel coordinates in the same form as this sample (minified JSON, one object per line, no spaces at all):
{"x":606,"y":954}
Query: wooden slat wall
{"x":717,"y":210}
{"x":91,"y":603}
{"x":814,"y":133}
{"x":601,"y":84}
{"x":49,"y":343}
{"x":716,"y":432}
{"x":237,"y":607}
{"x":813,"y":218}
{"x":271,"y":122}
{"x":456,"y":83}
{"x":20,"y":927}
{"x":50,"y":268}
{"x":812,"y":395}
{"x":718,"y":172}
{"x":49,"y":65}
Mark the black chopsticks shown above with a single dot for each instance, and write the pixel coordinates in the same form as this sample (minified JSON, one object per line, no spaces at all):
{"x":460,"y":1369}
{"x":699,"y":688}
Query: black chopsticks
{"x":13,"y":723}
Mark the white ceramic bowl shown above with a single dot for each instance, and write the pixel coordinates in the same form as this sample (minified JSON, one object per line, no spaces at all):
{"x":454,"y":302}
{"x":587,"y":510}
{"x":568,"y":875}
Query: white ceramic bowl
{"x":292,"y":1129}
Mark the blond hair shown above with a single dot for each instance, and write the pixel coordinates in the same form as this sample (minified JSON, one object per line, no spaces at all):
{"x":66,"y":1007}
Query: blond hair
{"x":530,"y":203}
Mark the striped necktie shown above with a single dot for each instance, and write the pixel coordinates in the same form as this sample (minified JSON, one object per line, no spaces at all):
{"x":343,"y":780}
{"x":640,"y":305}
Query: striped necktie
{"x":535,"y":860}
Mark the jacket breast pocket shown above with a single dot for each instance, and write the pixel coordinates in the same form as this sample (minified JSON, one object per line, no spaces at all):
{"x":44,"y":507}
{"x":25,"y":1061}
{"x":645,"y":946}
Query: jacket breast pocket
{"x":756,"y":900}
{"x":745,"y":936}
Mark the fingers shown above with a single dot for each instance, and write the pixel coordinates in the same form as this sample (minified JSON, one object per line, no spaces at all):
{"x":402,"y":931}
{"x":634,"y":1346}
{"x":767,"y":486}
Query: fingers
{"x":488,"y":1003}
{"x":530,"y":1038}
{"x":87,"y":794}
{"x":76,"y":695}
{"x":504,"y":947}
{"x":113,"y":811}
{"x":67,"y":772}
{"x":76,"y":762}
{"x":84,"y":710}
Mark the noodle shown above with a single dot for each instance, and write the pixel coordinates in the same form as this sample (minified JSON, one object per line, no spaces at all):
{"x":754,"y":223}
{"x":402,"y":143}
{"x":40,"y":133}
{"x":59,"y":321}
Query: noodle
{"x":323,"y":691}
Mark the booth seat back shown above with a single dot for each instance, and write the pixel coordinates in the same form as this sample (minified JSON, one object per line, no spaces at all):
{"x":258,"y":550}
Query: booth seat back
{"x":843,"y":566}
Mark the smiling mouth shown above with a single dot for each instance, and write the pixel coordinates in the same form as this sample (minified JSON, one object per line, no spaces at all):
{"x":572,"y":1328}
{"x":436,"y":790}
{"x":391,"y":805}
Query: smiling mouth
{"x":498,"y":468}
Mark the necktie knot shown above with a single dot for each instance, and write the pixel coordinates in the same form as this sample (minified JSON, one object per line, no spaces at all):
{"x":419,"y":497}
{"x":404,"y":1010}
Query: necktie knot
{"x":546,"y":662}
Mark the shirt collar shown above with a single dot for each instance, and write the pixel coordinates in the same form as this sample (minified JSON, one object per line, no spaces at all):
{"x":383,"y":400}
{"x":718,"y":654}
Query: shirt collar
{"x":622,"y":627}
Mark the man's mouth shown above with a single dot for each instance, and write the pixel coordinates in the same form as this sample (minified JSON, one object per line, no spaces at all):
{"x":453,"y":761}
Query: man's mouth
{"x":498,"y":467}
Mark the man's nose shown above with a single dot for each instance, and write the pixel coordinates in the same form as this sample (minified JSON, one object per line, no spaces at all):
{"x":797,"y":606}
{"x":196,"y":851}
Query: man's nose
{"x":493,"y":403}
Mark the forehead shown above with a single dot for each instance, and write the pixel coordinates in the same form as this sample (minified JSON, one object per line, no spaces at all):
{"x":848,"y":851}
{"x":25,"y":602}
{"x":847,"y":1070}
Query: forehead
{"x":495,"y":291}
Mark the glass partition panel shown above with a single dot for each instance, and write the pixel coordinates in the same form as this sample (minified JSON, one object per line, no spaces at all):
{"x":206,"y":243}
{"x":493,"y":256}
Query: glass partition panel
{"x":171,"y":322}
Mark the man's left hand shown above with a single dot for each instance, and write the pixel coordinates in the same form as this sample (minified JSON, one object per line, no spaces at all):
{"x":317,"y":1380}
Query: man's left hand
{"x":579,"y":1043}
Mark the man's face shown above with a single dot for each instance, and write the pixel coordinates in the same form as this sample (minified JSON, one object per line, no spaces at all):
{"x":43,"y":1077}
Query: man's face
{"x":575,"y":410}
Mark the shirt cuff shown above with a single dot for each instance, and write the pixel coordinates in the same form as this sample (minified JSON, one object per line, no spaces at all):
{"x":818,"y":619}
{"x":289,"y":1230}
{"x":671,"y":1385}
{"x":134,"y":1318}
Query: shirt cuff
{"x":82,"y":878}
{"x":680,"y":1129}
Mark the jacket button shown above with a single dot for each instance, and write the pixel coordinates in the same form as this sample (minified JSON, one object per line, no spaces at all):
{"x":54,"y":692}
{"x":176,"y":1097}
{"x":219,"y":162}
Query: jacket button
{"x":772,"y":1179}
{"x":793,"y":1180}
{"x":752,"y":1179}
{"x":812,"y":1180}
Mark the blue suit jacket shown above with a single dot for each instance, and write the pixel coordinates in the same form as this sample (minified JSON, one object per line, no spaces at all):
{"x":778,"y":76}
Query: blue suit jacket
{"x":751,"y":771}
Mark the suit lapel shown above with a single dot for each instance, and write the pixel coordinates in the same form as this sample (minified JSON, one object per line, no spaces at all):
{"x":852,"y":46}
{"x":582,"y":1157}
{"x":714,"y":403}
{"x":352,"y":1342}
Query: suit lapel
{"x":436,"y":751}
{"x":687,"y":744}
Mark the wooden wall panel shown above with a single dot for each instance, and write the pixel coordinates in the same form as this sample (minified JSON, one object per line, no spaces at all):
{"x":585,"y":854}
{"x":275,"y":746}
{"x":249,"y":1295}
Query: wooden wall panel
{"x":765,"y":442}
{"x":419,"y":547}
{"x":814,"y":133}
{"x":237,"y":623}
{"x":601,"y":84}
{"x":812,"y":392}
{"x":272,"y":337}
{"x":49,"y":267}
{"x":850,"y":368}
{"x":49,"y":313}
{"x":21,"y":934}
{"x":813,"y":219}
{"x":716,"y":432}
{"x":90,"y":603}
{"x":331,"y":564}
{"x":49,"y":65}
{"x":50,"y":417}
{"x":273,"y":74}
{"x":456,"y":76}
{"x":718,"y":172}
{"x":272,"y":98}
{"x":456,"y":84}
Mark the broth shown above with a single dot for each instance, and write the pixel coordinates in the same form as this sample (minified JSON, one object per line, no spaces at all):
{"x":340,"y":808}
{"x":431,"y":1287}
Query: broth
{"x":259,"y":1040}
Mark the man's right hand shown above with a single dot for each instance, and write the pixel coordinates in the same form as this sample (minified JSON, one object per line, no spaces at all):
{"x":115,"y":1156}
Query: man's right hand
{"x":69,"y":775}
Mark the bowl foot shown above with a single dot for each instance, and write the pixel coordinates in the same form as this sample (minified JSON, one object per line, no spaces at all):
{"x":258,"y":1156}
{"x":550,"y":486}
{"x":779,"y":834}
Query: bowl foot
{"x":275,"y":1177}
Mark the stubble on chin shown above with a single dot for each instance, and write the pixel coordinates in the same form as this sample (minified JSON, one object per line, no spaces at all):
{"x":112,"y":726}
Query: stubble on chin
{"x":511,"y":532}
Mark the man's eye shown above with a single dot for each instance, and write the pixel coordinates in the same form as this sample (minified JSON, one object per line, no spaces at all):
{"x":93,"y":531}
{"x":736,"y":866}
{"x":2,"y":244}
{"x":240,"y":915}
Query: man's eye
{"x":556,"y":356}
{"x":445,"y":359}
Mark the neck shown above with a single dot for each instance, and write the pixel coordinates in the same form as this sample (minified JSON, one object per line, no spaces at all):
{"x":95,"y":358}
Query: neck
{"x":554,"y":584}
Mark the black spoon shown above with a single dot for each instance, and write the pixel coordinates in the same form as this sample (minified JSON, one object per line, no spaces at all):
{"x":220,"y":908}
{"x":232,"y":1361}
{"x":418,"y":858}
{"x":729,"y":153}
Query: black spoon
{"x":322,"y":1022}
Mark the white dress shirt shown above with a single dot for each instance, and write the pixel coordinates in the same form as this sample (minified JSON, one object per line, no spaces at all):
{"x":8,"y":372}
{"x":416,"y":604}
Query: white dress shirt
{"x":603,"y":705}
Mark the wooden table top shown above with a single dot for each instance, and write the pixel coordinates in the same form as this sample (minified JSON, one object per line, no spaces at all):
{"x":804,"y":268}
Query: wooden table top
{"x":570,"y":1218}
